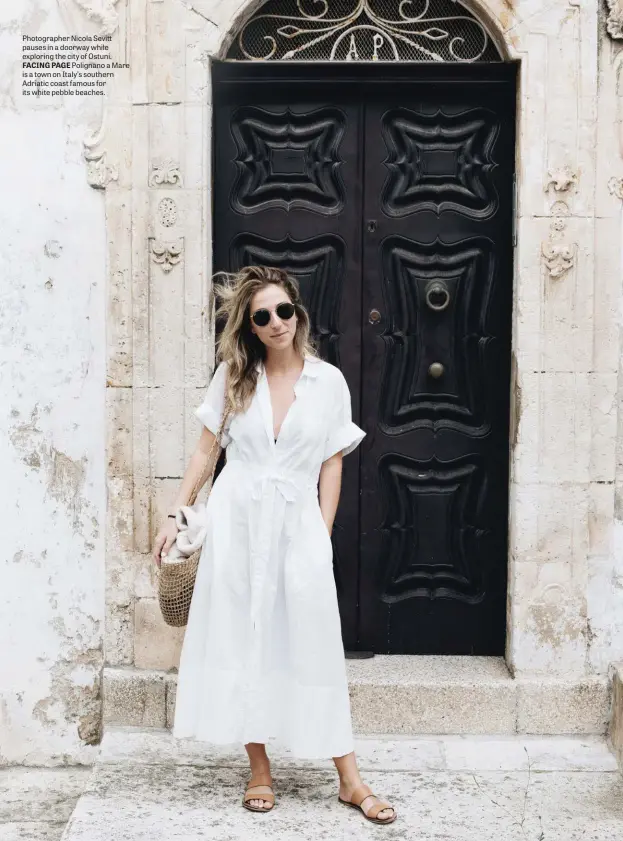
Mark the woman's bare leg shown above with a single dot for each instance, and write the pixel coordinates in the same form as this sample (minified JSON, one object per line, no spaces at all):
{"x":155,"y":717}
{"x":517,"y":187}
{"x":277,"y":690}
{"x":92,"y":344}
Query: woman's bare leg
{"x":260,"y":770}
{"x":350,"y":779}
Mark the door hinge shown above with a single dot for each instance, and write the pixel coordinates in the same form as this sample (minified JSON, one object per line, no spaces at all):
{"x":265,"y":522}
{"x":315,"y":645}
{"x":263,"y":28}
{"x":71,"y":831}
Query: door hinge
{"x":514,"y":210}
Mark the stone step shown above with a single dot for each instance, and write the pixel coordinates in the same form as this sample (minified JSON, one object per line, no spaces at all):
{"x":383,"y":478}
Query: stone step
{"x":394,"y":751}
{"x":147,"y":786}
{"x":410,"y":695}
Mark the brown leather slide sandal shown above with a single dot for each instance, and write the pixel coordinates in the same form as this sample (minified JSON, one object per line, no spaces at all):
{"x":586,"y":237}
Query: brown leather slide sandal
{"x":258,"y":793}
{"x":360,"y":794}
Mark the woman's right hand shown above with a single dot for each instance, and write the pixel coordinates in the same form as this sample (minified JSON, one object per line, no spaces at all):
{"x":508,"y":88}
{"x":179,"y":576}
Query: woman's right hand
{"x":164,"y":540}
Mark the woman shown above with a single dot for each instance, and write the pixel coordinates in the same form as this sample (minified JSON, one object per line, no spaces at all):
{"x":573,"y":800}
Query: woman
{"x":263,"y":658}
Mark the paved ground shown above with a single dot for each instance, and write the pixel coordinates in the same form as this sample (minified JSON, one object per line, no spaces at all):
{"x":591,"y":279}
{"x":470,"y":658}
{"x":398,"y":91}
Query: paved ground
{"x":36,"y":803}
{"x":146,"y":787}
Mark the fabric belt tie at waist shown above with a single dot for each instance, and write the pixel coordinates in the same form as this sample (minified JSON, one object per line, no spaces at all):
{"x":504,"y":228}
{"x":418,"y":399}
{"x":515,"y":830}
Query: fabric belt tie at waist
{"x":274,"y":492}
{"x":285,"y":485}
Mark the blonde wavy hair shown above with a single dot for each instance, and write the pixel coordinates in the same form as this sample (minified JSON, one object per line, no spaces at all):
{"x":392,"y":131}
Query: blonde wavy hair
{"x":240,"y":347}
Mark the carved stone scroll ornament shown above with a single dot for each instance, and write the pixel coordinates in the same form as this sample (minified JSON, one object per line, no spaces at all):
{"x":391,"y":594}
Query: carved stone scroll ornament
{"x":614,"y":21}
{"x":165,"y":172}
{"x":615,"y":185}
{"x":99,"y":172}
{"x":561,"y":179}
{"x":166,"y":254}
{"x":103,"y":12}
{"x":558,"y":256}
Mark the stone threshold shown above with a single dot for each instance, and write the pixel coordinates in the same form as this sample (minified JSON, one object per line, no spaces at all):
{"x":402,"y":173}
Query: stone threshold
{"x":410,"y":695}
{"x":389,"y":751}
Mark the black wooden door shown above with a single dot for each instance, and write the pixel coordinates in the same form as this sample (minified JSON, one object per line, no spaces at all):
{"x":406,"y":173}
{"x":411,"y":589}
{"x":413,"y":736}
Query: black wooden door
{"x":390,"y":199}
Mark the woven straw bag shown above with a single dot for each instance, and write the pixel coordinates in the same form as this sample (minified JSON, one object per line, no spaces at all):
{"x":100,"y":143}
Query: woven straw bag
{"x":177,"y":574}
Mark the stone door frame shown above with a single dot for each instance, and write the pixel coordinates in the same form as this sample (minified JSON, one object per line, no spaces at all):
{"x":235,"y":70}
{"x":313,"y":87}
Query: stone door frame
{"x":151,"y":157}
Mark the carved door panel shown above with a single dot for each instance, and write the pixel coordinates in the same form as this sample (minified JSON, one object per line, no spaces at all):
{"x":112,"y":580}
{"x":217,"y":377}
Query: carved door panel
{"x":287,"y":193}
{"x":437,"y":270}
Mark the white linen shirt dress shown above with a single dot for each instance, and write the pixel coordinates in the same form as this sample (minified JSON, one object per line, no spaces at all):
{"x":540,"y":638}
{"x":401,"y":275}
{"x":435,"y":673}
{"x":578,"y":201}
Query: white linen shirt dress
{"x":263,"y":657}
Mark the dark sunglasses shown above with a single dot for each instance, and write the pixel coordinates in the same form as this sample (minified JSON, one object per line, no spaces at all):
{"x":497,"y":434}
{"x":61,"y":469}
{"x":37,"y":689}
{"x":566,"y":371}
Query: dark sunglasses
{"x":262,"y":317}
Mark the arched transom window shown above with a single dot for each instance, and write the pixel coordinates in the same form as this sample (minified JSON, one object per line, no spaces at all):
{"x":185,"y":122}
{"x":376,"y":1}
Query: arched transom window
{"x":363,"y":30}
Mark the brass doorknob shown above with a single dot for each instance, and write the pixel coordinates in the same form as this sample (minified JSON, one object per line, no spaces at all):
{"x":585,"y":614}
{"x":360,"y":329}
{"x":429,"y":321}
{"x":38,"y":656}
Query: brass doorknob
{"x":436,"y":370}
{"x":374,"y":316}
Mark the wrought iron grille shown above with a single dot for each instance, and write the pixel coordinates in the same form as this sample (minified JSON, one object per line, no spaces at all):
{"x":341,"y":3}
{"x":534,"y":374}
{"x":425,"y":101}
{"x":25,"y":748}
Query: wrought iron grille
{"x":363,"y":30}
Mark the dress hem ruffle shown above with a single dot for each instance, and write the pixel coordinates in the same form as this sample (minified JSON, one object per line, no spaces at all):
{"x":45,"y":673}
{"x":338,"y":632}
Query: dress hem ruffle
{"x":271,"y":741}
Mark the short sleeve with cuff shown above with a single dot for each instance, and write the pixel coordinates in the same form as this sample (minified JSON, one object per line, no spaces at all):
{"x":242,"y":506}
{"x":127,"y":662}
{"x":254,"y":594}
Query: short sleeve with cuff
{"x":343,"y":434}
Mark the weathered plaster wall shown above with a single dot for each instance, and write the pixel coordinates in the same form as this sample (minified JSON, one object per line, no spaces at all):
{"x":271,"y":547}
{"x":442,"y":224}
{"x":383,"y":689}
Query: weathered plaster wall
{"x":52,"y":416}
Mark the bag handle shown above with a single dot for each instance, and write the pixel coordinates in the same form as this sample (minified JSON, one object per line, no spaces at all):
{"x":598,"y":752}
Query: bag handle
{"x":209,"y":472}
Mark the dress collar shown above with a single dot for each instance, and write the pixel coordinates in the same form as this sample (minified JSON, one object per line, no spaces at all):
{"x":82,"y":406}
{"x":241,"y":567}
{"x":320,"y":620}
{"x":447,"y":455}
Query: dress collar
{"x":311,"y":367}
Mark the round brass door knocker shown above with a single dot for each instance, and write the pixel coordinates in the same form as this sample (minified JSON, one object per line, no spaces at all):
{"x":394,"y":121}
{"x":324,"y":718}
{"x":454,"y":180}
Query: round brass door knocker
{"x":437,"y":295}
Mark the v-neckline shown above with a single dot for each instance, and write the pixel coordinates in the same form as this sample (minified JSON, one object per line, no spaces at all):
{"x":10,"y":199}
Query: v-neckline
{"x":270,"y":419}
{"x":288,"y":410}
